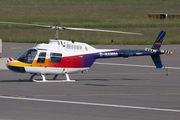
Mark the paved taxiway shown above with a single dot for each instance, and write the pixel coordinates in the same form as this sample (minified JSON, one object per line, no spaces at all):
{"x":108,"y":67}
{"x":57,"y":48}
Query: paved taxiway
{"x":106,"y":92}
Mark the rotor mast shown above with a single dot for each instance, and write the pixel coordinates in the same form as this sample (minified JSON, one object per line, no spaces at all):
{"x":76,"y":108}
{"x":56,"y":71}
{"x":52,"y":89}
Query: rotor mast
{"x":56,"y":32}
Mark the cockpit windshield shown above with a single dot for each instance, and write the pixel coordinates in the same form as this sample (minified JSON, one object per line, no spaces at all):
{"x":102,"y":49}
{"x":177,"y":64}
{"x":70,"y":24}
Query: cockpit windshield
{"x":27,"y":56}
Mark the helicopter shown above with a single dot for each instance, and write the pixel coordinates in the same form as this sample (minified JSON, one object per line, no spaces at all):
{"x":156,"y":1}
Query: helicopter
{"x":63,"y":57}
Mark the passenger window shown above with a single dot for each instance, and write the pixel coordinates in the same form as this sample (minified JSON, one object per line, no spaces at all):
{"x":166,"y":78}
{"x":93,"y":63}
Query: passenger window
{"x":55,"y":57}
{"x":42,"y":57}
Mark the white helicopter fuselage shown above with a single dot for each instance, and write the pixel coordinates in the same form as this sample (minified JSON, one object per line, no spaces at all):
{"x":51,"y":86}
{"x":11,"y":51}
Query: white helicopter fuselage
{"x":58,"y":57}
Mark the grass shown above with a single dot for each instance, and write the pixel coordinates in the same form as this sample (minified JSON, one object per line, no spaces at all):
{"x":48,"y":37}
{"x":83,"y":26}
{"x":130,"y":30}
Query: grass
{"x":122,"y":15}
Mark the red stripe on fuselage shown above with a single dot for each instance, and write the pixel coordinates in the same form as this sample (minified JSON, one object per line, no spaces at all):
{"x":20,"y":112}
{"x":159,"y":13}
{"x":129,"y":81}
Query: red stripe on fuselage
{"x":73,"y":62}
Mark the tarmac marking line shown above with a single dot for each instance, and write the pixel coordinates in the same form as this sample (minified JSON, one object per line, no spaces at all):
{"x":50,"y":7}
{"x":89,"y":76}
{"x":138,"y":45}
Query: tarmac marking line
{"x":133,"y":65}
{"x":92,"y":104}
{"x":81,"y":95}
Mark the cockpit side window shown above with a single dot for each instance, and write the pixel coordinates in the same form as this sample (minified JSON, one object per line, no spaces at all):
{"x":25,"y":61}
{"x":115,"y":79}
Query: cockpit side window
{"x":42,"y":57}
{"x":55,"y":57}
{"x":27,"y":56}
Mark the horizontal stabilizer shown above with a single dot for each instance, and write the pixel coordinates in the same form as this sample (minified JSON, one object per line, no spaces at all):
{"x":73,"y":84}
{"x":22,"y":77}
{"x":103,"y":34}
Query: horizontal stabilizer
{"x":161,"y":51}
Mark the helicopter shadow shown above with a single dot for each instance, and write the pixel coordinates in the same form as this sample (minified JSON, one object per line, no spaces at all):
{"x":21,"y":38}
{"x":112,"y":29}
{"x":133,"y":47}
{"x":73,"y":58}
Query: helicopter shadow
{"x":19,"y":80}
{"x":120,"y":79}
{"x":80,"y":80}
{"x":132,"y":79}
{"x":93,"y":80}
{"x":102,"y":85}
{"x":119,"y":84}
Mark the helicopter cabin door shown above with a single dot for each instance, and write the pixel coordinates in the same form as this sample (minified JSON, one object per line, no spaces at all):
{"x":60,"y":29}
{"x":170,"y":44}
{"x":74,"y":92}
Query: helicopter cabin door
{"x":55,"y":60}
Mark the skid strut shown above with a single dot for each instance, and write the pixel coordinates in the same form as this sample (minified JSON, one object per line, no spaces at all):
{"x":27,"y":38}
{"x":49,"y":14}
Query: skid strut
{"x":53,"y":80}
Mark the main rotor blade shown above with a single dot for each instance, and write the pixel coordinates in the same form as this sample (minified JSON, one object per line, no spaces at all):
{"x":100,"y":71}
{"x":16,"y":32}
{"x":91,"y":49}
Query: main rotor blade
{"x":14,"y":23}
{"x":99,"y":30}
{"x":68,"y":28}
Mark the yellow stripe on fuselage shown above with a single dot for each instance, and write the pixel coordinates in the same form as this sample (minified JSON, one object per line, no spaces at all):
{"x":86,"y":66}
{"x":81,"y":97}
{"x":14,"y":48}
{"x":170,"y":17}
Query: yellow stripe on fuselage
{"x":34,"y":64}
{"x":18,"y":64}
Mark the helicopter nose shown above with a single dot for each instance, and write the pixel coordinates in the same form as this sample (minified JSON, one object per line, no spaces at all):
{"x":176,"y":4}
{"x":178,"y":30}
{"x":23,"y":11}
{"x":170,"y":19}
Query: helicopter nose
{"x":13,"y":66}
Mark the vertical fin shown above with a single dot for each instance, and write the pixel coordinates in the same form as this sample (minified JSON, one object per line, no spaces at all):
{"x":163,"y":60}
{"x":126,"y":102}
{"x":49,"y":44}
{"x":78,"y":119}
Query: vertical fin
{"x":159,"y":40}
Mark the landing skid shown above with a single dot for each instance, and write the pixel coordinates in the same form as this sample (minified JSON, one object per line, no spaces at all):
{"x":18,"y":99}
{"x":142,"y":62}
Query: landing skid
{"x":53,"y":80}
